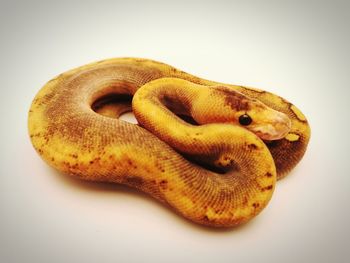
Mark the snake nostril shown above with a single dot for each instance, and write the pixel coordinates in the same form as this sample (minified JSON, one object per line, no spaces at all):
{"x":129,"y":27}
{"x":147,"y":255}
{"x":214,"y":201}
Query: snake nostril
{"x":245,"y":119}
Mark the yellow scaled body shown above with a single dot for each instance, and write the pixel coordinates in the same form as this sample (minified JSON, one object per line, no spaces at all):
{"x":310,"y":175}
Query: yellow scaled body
{"x":210,"y":168}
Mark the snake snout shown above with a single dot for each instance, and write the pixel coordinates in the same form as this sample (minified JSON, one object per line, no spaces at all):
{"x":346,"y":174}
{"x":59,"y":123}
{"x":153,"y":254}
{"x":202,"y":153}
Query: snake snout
{"x":275,"y":128}
{"x":282,"y":126}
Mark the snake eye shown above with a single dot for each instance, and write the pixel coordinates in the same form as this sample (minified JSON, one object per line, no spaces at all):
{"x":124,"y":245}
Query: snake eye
{"x":245,"y":119}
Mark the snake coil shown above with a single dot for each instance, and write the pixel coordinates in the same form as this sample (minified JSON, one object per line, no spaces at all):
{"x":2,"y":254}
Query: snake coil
{"x":211,"y":151}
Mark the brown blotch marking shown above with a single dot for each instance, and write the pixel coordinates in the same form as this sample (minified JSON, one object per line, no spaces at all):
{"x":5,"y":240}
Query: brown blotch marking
{"x":135,"y":181}
{"x":95,"y":160}
{"x":160,"y":166}
{"x":255,"y":205}
{"x":163,"y":184}
{"x":267,"y":188}
{"x":48,"y":97}
{"x":252,"y":146}
{"x":218,"y":211}
{"x":206,"y":218}
{"x":131,"y":163}
{"x":235,"y":100}
{"x":268,"y":174}
{"x":174,"y":70}
{"x":232,"y":163}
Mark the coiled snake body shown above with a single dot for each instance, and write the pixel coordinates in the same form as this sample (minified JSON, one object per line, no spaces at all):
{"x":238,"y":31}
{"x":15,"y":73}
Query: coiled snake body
{"x":211,"y":151}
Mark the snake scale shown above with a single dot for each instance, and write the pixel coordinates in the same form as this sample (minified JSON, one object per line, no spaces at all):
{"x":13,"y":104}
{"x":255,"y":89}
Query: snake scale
{"x":210,"y":151}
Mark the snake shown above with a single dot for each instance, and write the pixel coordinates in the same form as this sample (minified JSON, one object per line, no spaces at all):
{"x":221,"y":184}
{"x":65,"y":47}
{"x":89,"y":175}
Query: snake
{"x":212,"y":152}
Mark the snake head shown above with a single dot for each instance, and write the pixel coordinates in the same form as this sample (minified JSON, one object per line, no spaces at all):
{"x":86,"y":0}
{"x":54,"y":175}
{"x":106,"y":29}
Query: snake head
{"x":252,"y":114}
{"x":265,"y":122}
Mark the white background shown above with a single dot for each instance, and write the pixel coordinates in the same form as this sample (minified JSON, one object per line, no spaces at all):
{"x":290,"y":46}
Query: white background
{"x":299,"y":50}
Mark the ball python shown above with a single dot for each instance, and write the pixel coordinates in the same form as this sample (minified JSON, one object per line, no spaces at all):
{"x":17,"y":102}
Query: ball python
{"x":210,"y":151}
